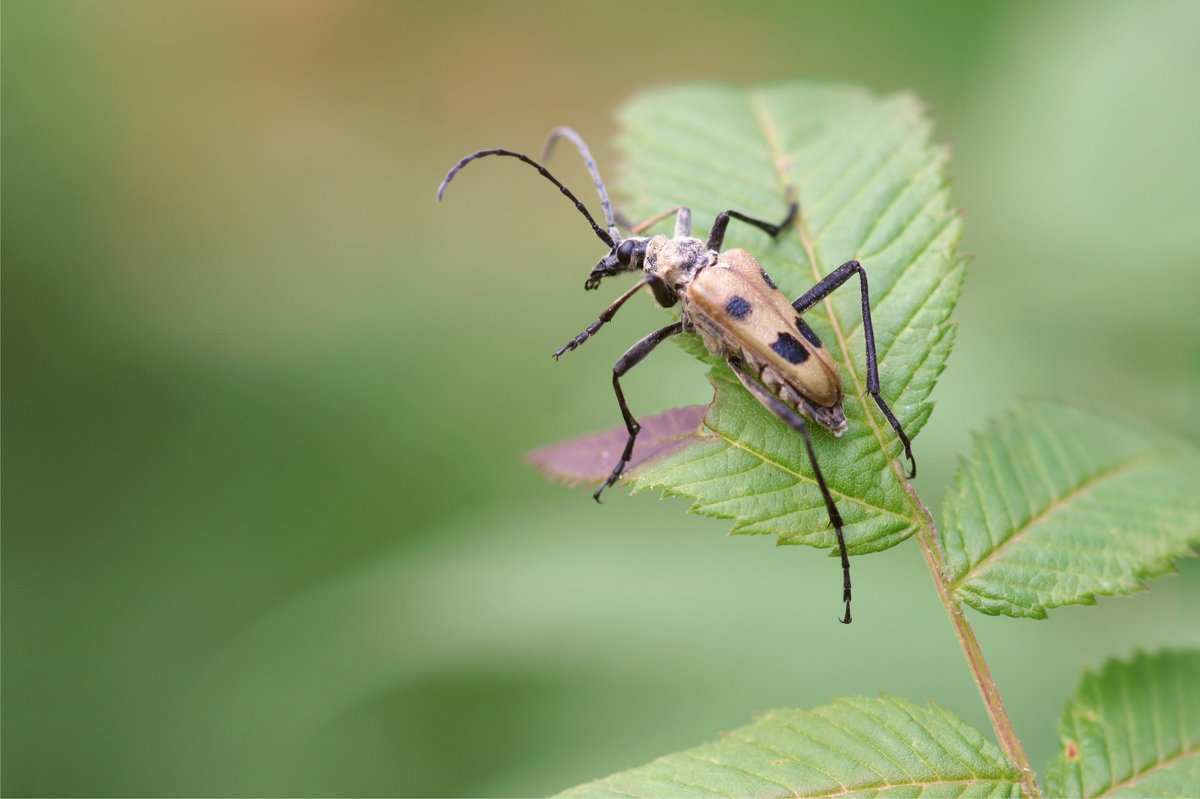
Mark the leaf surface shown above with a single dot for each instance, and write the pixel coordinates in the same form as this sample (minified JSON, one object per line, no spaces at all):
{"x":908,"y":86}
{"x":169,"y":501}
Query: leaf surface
{"x":871,"y":187}
{"x":1132,"y":730}
{"x":591,"y":458}
{"x":1056,"y":506}
{"x":852,"y":747}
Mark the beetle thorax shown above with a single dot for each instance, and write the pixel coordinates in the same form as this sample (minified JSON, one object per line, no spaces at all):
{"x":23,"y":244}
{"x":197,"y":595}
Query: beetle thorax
{"x":677,"y":260}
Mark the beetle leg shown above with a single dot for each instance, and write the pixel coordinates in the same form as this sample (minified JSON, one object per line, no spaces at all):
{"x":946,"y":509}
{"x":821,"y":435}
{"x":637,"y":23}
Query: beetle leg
{"x":796,"y":422}
{"x":716,"y":236}
{"x":629,"y":360}
{"x":605,"y":317}
{"x":683,"y":221}
{"x":822,"y":290}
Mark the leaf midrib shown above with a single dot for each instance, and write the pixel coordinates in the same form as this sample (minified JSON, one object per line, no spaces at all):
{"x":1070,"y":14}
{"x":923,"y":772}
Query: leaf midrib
{"x":771,"y":138}
{"x":843,"y":791}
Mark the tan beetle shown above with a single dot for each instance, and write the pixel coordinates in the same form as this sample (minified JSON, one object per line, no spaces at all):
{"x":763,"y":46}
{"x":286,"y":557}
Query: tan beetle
{"x":737,"y":310}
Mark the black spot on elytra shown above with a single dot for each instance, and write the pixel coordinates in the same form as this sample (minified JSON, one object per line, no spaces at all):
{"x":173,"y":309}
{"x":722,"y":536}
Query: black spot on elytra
{"x":767,"y":279}
{"x":807,"y":332}
{"x":738,"y":307}
{"x":790,"y":349}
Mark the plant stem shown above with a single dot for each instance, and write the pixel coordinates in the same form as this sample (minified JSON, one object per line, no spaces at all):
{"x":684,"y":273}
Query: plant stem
{"x":1007,"y":736}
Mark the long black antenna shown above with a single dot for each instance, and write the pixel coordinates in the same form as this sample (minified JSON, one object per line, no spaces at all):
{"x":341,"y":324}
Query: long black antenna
{"x":604,"y":237}
{"x":573,"y":137}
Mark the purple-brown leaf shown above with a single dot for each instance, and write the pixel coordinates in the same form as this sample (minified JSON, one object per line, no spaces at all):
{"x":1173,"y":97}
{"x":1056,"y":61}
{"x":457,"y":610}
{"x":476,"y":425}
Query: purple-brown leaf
{"x":591,"y":459}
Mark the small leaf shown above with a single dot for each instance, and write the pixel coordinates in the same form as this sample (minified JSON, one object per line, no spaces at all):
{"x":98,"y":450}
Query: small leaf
{"x":871,"y":187}
{"x":1056,"y":506}
{"x":591,"y":458}
{"x":1132,"y":730}
{"x":852,"y":747}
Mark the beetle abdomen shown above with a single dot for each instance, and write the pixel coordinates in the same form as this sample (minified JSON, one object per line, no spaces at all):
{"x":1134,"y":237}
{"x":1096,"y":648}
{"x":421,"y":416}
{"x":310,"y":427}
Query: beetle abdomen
{"x":831,"y":417}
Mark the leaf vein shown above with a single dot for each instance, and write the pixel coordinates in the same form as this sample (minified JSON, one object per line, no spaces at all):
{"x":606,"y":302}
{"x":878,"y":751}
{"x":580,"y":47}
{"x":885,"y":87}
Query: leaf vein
{"x":1089,"y":483}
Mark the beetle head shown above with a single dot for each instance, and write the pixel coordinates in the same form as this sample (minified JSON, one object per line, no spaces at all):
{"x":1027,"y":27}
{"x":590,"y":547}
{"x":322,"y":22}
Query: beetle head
{"x":628,"y":256}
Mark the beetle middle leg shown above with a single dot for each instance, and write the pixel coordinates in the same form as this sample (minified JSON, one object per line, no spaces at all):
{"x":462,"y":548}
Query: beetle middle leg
{"x":822,"y":290}
{"x":716,"y":236}
{"x":630,"y":359}
{"x":794,"y":420}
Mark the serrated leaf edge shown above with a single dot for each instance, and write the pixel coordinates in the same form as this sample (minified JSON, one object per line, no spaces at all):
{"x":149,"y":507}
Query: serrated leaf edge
{"x":1075,"y":709}
{"x":827,"y":714}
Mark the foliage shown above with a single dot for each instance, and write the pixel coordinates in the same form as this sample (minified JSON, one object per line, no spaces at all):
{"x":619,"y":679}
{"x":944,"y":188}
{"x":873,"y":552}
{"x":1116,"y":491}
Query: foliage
{"x":1054,"y":506}
{"x":1132,"y":730}
{"x":856,"y":746}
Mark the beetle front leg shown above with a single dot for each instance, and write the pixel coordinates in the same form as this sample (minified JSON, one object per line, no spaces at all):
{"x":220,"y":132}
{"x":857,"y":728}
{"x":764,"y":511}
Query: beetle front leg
{"x":796,"y":422}
{"x":629,"y":360}
{"x":822,"y":290}
{"x":664,"y":297}
{"x":605,"y":317}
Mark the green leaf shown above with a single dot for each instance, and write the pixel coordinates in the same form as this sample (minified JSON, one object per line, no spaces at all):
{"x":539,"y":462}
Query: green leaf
{"x":1056,"y":506}
{"x":871,"y":188}
{"x":852,"y":747}
{"x":1132,"y":730}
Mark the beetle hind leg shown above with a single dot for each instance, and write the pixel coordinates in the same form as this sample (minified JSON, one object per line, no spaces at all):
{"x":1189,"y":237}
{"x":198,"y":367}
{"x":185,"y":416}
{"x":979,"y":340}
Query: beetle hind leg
{"x":796,"y":422}
{"x":823,"y":289}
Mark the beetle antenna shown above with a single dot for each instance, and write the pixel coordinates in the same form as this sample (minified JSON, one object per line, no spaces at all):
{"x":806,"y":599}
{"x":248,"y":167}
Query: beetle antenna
{"x":604,"y":237}
{"x":573,"y":137}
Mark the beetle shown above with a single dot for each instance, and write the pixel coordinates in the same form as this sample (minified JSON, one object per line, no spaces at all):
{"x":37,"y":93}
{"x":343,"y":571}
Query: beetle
{"x":739,"y":313}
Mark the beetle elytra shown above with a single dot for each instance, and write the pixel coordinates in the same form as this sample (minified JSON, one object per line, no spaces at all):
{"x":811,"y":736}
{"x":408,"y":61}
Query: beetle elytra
{"x":737,"y":310}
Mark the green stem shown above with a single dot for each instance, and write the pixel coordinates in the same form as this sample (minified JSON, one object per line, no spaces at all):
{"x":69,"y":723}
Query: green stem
{"x":1007,"y":736}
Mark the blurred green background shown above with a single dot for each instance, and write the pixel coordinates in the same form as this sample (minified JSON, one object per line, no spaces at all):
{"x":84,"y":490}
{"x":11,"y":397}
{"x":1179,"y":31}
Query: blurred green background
{"x":265,"y":525}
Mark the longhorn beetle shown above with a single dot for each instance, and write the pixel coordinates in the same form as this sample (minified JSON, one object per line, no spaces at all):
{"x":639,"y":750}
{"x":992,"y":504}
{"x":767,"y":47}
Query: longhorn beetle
{"x":735,"y":307}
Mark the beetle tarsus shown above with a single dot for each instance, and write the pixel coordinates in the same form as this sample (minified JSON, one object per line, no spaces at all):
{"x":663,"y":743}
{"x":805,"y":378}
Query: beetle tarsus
{"x":612,"y":479}
{"x":569,"y":346}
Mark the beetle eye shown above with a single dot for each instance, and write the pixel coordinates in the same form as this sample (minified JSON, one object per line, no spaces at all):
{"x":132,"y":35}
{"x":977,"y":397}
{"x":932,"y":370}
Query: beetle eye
{"x":625,"y":251}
